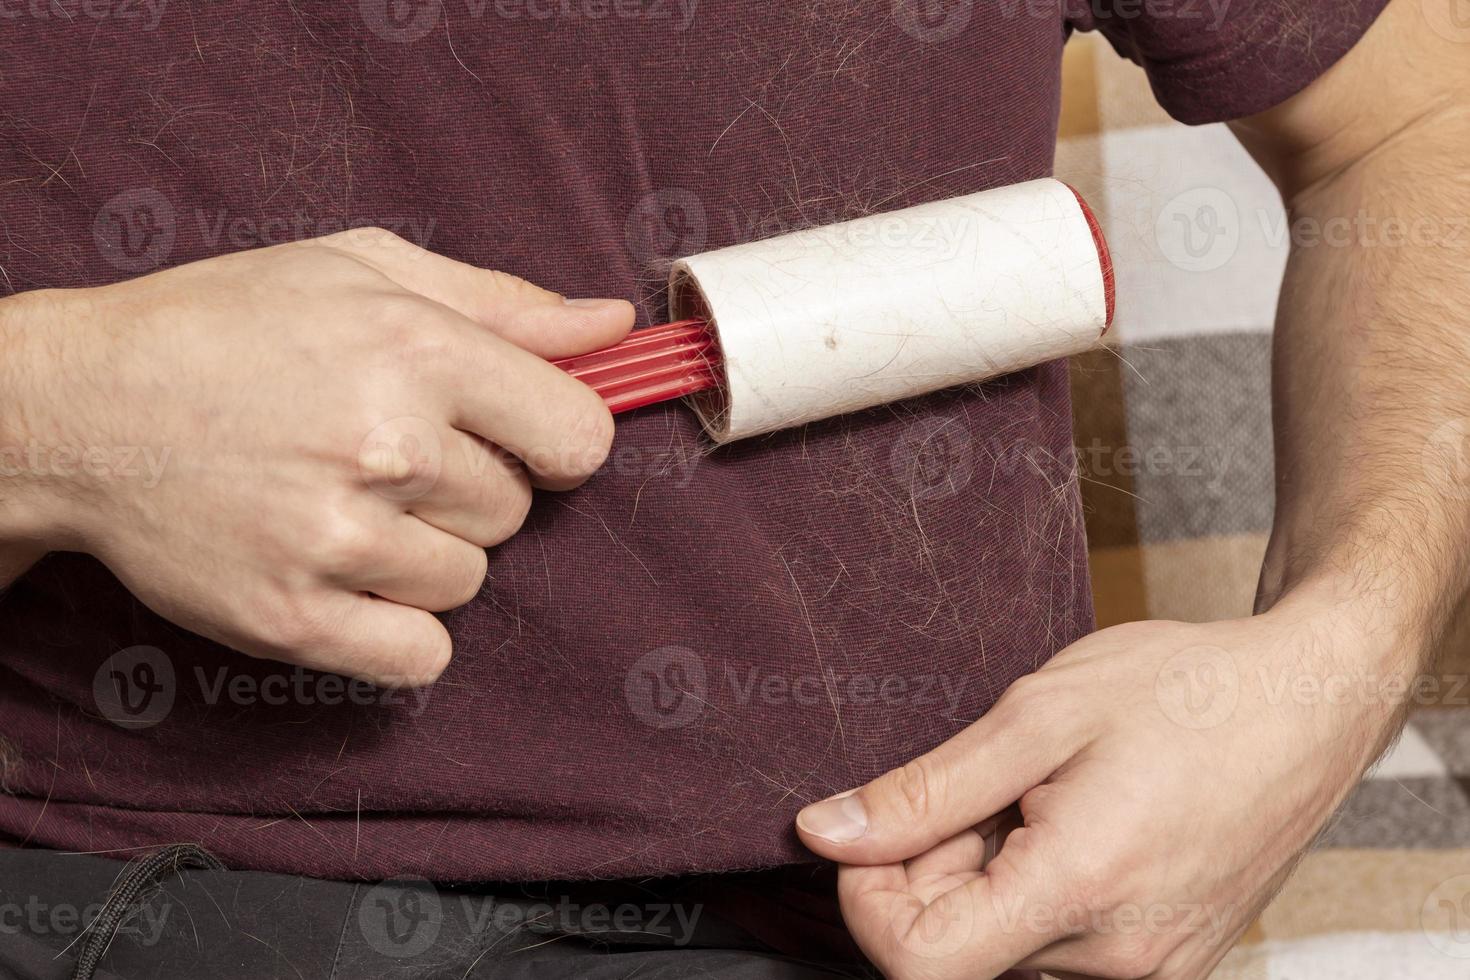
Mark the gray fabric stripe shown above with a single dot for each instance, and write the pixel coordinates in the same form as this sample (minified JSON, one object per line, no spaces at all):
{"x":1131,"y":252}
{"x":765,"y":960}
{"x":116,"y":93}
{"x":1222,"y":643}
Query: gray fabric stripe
{"x":1448,"y":730}
{"x":1402,"y":813}
{"x":1199,"y":424}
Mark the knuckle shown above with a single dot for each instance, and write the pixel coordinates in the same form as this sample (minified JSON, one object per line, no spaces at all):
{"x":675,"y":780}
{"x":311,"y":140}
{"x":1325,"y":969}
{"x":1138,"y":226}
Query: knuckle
{"x":397,"y":315}
{"x":506,"y":284}
{"x":433,"y":659}
{"x":415,"y":339}
{"x":1025,"y":692}
{"x":376,"y":236}
{"x":1029,"y":705}
{"x":508,"y":512}
{"x":917,"y":788}
{"x":589,"y":434}
{"x":474,"y":579}
{"x":339,"y":544}
{"x":1096,"y":884}
{"x":292,"y":625}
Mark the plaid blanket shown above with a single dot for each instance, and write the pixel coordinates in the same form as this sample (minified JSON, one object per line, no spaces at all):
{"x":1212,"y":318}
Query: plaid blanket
{"x":1174,"y":451}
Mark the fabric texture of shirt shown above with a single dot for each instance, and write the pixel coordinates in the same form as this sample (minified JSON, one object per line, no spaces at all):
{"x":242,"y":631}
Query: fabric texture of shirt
{"x":667,"y":663}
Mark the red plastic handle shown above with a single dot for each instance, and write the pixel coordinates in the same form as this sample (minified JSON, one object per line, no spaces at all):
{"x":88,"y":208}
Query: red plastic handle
{"x":651,"y":365}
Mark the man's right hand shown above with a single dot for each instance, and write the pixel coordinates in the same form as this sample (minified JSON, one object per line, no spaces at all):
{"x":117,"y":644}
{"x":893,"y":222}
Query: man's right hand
{"x":346,"y":424}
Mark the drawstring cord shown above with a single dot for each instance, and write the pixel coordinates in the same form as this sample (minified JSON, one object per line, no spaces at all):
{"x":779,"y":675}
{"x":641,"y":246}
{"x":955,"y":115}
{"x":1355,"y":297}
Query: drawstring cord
{"x":131,"y":884}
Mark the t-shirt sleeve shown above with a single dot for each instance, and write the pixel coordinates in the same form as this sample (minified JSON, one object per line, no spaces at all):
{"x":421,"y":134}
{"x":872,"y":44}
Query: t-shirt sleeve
{"x":1214,"y":60}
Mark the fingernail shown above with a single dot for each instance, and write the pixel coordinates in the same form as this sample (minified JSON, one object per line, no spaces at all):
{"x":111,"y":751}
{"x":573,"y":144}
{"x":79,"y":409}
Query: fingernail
{"x":591,"y":304}
{"x":839,"y":820}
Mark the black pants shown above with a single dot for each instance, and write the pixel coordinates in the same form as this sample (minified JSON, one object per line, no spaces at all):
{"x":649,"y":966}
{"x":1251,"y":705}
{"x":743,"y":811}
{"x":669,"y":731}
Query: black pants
{"x":222,"y":925}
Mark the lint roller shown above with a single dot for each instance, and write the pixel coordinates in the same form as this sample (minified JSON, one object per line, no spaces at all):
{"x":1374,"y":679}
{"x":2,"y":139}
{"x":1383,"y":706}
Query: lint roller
{"x":818,"y":323}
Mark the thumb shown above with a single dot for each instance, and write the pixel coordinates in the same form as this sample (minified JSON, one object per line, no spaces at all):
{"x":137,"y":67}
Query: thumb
{"x":532,"y":318}
{"x":963,"y":782}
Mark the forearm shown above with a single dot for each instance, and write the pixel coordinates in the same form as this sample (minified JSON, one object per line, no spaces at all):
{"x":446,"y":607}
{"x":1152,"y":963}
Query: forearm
{"x":1371,"y":397}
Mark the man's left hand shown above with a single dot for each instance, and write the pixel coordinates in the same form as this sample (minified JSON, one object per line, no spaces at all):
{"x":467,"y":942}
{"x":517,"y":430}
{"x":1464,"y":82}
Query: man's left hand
{"x":1127,"y":810}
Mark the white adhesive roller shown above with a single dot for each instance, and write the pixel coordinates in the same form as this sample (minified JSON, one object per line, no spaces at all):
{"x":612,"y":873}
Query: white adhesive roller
{"x":818,"y":323}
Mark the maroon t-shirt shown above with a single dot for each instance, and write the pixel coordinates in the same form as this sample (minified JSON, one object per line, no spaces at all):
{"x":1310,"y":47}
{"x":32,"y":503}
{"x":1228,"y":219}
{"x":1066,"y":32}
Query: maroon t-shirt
{"x":667,"y":663}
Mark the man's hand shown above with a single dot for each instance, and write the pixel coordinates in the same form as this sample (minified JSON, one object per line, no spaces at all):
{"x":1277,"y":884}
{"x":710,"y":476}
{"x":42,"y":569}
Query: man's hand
{"x":1168,"y":777}
{"x":340,"y":428}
